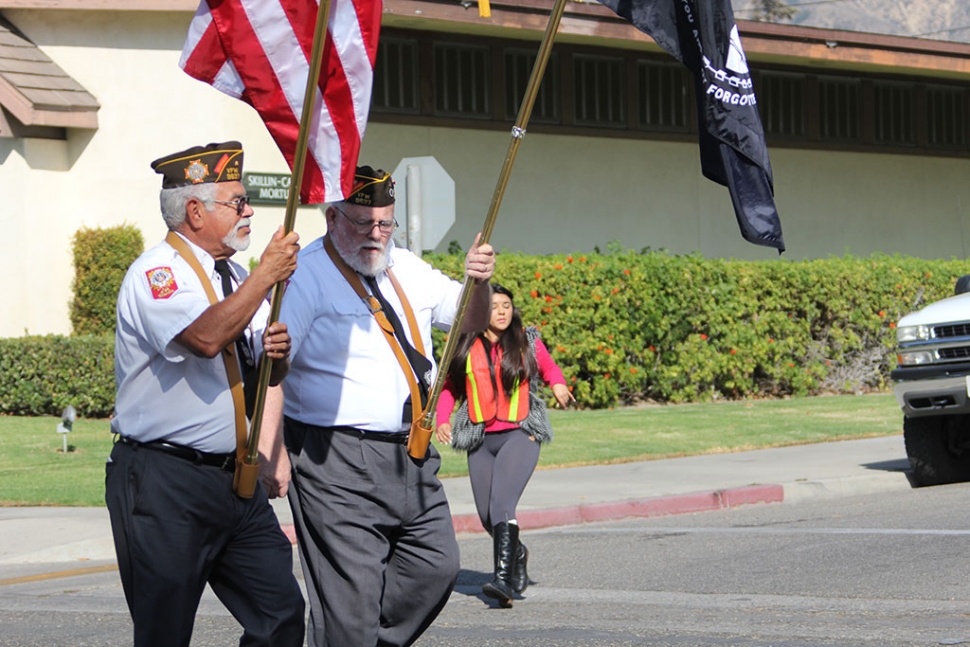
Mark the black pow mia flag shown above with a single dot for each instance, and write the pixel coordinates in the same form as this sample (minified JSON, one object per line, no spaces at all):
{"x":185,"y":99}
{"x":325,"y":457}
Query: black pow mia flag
{"x":702,"y":35}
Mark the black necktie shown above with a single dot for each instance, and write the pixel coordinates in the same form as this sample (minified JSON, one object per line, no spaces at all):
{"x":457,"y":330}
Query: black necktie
{"x":419,"y":363}
{"x":243,"y":350}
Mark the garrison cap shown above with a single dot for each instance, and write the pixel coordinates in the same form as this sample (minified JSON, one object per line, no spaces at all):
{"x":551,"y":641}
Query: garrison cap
{"x":371,"y":188}
{"x":200,"y":164}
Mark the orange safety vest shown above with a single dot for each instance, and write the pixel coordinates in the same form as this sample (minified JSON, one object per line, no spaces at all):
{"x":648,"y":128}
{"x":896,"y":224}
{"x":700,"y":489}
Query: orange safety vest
{"x":487,"y":400}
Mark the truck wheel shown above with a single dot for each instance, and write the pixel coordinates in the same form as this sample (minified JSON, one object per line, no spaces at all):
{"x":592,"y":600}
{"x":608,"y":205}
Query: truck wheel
{"x":938,"y":448}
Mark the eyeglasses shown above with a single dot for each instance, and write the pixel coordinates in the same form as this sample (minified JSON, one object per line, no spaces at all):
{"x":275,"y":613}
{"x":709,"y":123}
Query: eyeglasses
{"x":239,"y":204}
{"x":364,"y":227}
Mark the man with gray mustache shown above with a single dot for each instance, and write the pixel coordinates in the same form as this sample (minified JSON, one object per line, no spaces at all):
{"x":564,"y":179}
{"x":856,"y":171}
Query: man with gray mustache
{"x":186,"y":317}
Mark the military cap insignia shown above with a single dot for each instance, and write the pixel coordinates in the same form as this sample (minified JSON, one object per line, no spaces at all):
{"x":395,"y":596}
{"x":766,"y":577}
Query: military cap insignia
{"x":161,"y":281}
{"x":228,"y":169}
{"x":211,"y":163}
{"x":196,"y":171}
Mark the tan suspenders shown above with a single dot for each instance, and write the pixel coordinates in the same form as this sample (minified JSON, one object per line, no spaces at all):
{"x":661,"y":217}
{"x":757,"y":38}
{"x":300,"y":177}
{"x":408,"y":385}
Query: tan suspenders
{"x":354,"y":279}
{"x":232,"y":370}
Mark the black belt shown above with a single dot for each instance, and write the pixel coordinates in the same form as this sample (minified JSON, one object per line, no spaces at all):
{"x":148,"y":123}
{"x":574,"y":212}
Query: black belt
{"x":383,"y":437}
{"x":225,"y":462}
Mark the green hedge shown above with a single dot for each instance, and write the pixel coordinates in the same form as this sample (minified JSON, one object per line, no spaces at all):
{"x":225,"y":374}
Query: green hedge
{"x":628,"y":327}
{"x":101,"y":258}
{"x":42,"y":375}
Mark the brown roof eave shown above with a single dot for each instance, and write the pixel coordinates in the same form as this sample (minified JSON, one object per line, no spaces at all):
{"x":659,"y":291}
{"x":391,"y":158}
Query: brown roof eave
{"x":860,"y":39}
{"x":35,"y":90}
{"x":592,"y":23}
{"x":581,"y":22}
{"x":846,"y":50}
{"x":31,"y":115}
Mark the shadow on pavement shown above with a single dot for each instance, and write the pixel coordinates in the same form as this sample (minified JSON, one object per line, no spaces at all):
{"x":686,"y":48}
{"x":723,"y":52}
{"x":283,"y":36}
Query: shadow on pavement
{"x":898,"y":465}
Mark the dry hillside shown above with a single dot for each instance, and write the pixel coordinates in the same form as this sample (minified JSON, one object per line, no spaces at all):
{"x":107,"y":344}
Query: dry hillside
{"x":937,"y":19}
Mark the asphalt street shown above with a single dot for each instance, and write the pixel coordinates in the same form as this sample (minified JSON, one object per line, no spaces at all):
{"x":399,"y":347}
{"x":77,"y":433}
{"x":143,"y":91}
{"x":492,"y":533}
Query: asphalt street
{"x":661,"y":552}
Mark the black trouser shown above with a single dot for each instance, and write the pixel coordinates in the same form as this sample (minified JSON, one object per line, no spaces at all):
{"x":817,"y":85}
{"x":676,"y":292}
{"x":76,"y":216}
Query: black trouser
{"x":178,"y":525}
{"x":375,"y":534}
{"x":499,"y":470}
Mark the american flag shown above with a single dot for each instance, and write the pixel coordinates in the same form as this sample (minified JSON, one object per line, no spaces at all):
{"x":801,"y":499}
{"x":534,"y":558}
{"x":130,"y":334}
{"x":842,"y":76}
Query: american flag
{"x":259,"y":51}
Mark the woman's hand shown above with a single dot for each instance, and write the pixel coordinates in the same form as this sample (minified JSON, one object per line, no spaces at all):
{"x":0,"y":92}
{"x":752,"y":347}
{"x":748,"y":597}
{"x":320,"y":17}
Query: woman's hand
{"x":563,"y":396}
{"x":443,"y":433}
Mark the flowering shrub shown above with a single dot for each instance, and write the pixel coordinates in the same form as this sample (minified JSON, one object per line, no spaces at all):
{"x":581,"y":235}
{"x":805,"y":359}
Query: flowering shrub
{"x":628,"y":327}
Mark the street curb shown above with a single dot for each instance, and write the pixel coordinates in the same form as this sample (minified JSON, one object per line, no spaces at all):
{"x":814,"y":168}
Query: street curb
{"x":659,"y":506}
{"x":651,"y":507}
{"x":834,"y":488}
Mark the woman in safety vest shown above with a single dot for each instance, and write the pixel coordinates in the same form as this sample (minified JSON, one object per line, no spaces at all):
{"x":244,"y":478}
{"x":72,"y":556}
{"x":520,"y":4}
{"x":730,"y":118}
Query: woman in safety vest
{"x":494,"y":376}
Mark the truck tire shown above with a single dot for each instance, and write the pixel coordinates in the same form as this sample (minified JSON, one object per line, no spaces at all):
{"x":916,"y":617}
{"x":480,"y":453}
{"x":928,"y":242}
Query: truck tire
{"x":938,"y":448}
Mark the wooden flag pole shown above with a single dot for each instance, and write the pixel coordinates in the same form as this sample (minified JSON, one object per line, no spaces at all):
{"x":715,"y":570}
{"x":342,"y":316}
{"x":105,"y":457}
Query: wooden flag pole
{"x":248,"y":473}
{"x":421,"y":431}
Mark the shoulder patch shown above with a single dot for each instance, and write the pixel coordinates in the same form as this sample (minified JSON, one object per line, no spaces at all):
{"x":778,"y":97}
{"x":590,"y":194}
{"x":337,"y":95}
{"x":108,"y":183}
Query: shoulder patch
{"x":161,"y":280}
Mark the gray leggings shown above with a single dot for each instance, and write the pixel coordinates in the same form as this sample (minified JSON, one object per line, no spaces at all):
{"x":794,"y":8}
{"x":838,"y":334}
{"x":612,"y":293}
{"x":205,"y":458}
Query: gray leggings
{"x":499,"y":470}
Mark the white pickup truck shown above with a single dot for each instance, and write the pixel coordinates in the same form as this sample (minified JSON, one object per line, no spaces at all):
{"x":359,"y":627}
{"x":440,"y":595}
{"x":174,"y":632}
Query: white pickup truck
{"x":932,"y":385}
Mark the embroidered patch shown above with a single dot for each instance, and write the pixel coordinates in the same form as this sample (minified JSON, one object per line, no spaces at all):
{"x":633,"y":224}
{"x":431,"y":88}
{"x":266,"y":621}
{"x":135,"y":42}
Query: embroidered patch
{"x":161,"y":280}
{"x":196,"y":171}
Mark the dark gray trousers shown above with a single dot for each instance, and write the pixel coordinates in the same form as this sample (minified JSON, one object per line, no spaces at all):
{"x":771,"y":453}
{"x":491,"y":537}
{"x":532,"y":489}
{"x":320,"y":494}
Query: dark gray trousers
{"x":499,"y":470}
{"x":376,"y":538}
{"x":176,"y":526}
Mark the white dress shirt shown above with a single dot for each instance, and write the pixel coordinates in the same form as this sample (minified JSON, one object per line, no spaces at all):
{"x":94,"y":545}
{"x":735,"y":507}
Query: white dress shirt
{"x":343,"y":372}
{"x":165,"y":392}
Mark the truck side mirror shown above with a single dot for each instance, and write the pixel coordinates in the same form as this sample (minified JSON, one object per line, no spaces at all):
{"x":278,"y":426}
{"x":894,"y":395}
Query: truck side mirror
{"x":963,"y":284}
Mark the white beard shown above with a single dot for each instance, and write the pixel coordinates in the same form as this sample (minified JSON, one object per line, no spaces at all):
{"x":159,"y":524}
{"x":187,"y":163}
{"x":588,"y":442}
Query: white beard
{"x":234,"y":241}
{"x":351,"y":256}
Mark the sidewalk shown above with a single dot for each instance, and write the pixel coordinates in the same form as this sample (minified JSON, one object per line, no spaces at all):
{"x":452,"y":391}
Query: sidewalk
{"x":39,"y":539}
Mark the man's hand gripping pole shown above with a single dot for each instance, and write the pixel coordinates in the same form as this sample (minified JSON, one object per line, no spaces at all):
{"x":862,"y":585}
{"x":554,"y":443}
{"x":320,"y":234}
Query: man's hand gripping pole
{"x":422,"y":428}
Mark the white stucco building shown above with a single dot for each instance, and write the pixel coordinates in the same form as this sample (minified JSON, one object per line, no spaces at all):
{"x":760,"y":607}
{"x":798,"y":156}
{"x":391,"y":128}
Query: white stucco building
{"x":868,"y":135}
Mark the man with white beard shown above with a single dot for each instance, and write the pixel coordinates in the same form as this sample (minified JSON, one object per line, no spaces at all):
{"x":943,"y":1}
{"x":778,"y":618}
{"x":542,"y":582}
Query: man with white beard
{"x":187,"y":319}
{"x":373,"y":524}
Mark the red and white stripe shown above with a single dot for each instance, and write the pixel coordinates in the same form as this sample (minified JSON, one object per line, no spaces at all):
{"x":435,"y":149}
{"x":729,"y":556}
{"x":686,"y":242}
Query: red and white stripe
{"x":258,"y":51}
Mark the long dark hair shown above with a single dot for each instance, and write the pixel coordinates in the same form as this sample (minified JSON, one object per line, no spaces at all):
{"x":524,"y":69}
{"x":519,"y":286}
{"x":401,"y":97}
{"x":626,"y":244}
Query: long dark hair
{"x":518,"y":360}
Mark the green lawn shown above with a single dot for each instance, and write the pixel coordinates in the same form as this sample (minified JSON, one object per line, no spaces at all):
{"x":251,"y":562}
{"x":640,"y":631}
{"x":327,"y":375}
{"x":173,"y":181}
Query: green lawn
{"x":34,"y":470}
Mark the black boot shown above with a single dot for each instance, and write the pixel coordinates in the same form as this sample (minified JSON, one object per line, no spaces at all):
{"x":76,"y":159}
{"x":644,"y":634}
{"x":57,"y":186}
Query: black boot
{"x":520,"y":576}
{"x":503,"y":552}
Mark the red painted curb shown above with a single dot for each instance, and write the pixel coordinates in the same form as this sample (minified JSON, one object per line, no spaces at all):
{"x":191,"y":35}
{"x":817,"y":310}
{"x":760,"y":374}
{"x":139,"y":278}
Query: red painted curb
{"x":752,"y":494}
{"x":467,"y":523}
{"x":656,"y":507}
{"x":652,"y":507}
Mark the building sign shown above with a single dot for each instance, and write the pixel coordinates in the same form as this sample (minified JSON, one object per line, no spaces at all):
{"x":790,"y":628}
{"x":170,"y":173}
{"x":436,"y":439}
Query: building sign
{"x":267,"y":188}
